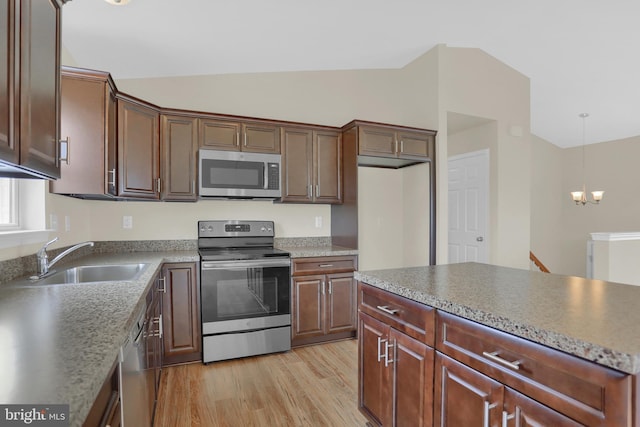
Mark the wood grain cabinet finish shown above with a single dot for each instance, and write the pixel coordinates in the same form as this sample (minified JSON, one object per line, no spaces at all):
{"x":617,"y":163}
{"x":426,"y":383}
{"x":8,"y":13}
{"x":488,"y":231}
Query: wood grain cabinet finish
{"x":88,"y":124}
{"x":323,"y":299}
{"x":387,"y":141}
{"x":580,"y":390}
{"x":181,"y":313}
{"x":105,"y":410}
{"x":255,"y":137}
{"x":312,"y":165}
{"x":138,"y":150}
{"x":30,"y":85}
{"x":395,"y":375}
{"x":179,"y":147}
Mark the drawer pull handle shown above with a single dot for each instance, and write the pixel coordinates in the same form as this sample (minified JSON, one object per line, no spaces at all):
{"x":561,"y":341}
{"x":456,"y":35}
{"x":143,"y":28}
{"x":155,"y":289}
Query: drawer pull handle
{"x":494,"y":356}
{"x":387,"y":310}
{"x":325,"y":265}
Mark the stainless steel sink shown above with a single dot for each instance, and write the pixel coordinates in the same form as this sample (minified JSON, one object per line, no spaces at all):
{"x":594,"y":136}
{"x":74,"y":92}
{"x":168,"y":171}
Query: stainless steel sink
{"x":93,"y":273}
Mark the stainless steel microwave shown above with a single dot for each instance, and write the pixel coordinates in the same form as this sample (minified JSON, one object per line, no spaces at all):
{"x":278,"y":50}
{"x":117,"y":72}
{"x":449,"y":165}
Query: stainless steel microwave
{"x":238,"y":175}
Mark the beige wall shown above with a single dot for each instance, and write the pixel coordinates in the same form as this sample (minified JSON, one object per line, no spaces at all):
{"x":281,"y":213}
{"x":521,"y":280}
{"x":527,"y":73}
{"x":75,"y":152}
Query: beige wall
{"x":474,"y":83}
{"x":547,"y":204}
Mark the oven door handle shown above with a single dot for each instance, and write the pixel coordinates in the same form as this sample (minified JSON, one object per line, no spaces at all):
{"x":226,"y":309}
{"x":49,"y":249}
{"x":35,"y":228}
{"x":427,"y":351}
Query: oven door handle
{"x":263,"y":263}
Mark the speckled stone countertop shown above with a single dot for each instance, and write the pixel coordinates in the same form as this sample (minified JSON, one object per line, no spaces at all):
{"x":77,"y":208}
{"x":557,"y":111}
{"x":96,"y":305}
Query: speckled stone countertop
{"x":58,"y":342}
{"x":592,"y":319}
{"x":305,"y":247}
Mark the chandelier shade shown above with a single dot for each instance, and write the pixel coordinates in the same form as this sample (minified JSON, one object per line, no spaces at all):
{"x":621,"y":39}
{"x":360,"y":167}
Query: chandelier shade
{"x":580,"y":197}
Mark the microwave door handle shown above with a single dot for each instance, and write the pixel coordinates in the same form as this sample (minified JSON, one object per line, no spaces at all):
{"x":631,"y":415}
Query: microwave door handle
{"x":266,"y":176}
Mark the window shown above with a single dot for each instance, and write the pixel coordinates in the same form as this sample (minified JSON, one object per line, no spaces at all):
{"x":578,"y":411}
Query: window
{"x":9,"y":204}
{"x":22,"y":212}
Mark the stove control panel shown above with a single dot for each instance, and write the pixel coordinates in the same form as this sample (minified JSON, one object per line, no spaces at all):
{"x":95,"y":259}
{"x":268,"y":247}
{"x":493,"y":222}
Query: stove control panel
{"x":235,"y":228}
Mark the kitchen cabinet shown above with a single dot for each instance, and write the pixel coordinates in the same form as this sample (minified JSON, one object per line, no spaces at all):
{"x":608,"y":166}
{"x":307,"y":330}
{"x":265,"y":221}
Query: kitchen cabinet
{"x":138,"y":149}
{"x":312,"y":165}
{"x":88,"y":125}
{"x":181,"y":308}
{"x":526,"y":379}
{"x":396,"y":360}
{"x":179,"y":147}
{"x":30,"y":86}
{"x":257,"y":137}
{"x":323,"y":299}
{"x":106,"y":408}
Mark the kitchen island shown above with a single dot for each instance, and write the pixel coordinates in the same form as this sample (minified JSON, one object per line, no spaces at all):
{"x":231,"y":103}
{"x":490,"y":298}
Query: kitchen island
{"x":511,"y":330}
{"x":58,"y":343}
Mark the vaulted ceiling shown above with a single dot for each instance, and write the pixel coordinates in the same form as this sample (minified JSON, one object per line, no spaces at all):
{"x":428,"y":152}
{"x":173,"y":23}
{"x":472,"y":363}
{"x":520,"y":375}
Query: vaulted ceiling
{"x":581,"y":55}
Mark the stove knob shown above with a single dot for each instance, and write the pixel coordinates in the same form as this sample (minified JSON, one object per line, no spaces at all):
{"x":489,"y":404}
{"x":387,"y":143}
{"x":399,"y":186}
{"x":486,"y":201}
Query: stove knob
{"x":263,"y":229}
{"x":210,"y":228}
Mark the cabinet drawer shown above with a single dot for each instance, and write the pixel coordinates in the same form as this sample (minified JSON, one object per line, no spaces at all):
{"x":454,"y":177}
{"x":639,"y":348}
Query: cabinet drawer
{"x":414,"y":319}
{"x":322,"y":265}
{"x":586,"y":392}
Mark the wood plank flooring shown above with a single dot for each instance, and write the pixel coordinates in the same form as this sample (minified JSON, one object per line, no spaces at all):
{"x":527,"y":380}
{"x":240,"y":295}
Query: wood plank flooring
{"x":308,"y":386}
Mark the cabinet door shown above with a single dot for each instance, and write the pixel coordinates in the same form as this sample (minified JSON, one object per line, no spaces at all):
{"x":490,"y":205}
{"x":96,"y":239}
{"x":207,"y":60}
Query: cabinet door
{"x":181,"y":321}
{"x":308,"y":306}
{"x":413,"y":376}
{"x":465,"y":397}
{"x":414,"y":145}
{"x":521,"y":411}
{"x":374,"y":141}
{"x":8,"y":149}
{"x":179,"y":141}
{"x":375,"y":388}
{"x":83,"y":123}
{"x":327,"y":167}
{"x":261,"y":138}
{"x":40,"y":86}
{"x":340,"y":313}
{"x":297,"y":165}
{"x":138,"y":149}
{"x":219,"y":135}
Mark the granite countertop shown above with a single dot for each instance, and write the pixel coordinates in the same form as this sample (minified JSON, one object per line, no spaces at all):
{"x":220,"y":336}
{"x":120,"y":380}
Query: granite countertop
{"x":592,"y":319}
{"x":58,"y":342}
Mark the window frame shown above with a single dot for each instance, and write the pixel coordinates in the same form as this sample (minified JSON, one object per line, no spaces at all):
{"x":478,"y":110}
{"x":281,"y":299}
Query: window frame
{"x":14,"y":222}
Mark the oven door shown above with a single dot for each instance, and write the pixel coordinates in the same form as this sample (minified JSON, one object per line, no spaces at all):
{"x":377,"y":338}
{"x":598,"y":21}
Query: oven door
{"x":245,"y":295}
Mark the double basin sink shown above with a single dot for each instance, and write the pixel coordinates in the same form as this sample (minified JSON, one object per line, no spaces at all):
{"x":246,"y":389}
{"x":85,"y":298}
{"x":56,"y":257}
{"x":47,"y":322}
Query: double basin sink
{"x":92,"y":274}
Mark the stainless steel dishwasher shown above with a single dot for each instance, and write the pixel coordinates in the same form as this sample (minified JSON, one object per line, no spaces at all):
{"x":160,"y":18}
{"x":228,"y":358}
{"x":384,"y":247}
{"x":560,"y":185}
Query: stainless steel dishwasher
{"x":133,"y":382}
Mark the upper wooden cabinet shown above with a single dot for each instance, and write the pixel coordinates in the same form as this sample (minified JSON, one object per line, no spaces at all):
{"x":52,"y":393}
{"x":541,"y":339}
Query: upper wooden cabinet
{"x":30,"y":85}
{"x":389,"y":145}
{"x":88,"y":124}
{"x":312,"y":165}
{"x":179,"y":146}
{"x":255,"y":137}
{"x":138,"y":150}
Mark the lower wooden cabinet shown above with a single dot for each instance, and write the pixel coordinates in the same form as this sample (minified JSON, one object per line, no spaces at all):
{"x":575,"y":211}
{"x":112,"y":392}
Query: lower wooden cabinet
{"x":181,"y":314}
{"x":475,"y":375}
{"x":106,"y":408}
{"x":464,"y":396}
{"x":395,"y":376}
{"x":323,"y":299}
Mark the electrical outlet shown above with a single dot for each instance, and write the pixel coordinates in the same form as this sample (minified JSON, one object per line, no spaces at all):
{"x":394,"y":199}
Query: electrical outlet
{"x":67,"y":223}
{"x":127,"y":221}
{"x":318,"y":222}
{"x":53,"y":222}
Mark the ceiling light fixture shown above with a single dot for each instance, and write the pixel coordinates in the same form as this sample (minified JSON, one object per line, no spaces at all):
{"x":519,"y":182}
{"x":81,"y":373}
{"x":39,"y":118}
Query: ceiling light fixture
{"x":580,"y":197}
{"x":118,"y":2}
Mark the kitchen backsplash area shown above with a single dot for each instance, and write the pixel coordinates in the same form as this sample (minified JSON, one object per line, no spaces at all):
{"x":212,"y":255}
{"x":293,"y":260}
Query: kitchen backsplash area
{"x":18,"y":267}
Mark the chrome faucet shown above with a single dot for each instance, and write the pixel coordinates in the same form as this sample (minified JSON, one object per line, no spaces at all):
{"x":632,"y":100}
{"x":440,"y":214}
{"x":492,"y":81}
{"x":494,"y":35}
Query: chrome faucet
{"x":43,"y":259}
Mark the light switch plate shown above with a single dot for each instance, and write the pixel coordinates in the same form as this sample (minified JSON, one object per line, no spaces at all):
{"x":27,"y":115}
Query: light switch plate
{"x":127,"y":221}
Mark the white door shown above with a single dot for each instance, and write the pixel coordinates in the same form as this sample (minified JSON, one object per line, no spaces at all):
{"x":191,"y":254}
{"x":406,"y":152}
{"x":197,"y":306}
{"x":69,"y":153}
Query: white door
{"x":468,"y":207}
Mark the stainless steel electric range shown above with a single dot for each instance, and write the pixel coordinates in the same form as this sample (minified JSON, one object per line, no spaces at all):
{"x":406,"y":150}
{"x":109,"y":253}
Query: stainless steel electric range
{"x":244,"y":290}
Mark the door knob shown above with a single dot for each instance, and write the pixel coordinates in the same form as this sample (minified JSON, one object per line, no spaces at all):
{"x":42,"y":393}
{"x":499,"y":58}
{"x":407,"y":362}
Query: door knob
{"x":480,"y":239}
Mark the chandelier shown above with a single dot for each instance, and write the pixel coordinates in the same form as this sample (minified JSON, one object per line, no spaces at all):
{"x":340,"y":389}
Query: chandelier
{"x":580,"y":197}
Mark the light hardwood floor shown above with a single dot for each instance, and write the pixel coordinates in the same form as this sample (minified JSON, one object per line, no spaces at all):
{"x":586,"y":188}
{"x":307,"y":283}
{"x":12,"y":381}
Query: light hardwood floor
{"x":309,"y":386}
